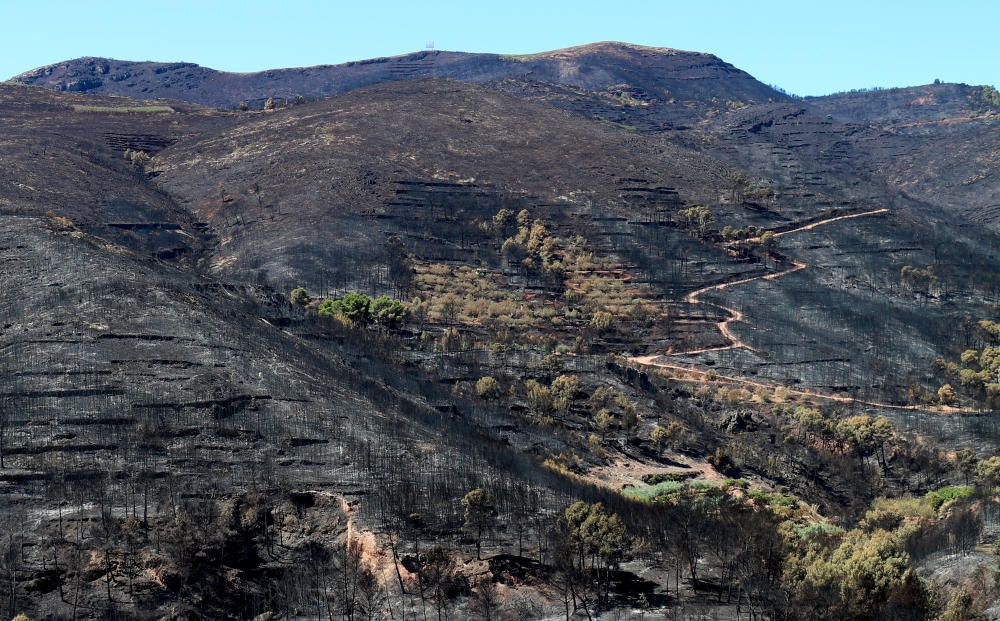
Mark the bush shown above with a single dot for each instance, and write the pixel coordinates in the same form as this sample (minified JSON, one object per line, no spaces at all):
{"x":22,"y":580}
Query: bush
{"x":653,"y":491}
{"x":563,"y":388}
{"x":603,"y":421}
{"x":660,"y":477}
{"x":659,"y":436}
{"x":722,"y":462}
{"x":882,"y":519}
{"x":939,"y":497}
{"x":137,"y":158}
{"x":300,"y":297}
{"x":768,"y":499}
{"x":539,"y":396}
{"x":817,"y":529}
{"x":907,"y":506}
{"x":488,"y":388}
{"x":601,"y":321}
{"x":946,"y":394}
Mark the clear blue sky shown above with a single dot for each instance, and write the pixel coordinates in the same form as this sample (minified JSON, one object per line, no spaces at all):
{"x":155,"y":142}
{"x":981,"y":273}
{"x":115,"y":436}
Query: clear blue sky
{"x":804,"y":46}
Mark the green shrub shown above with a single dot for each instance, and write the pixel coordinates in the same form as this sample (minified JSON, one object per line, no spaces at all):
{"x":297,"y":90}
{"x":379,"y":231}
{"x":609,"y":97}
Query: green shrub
{"x":123,"y":109}
{"x":660,"y":477}
{"x":139,"y":159}
{"x":653,"y":491}
{"x":939,"y":497}
{"x":769,"y":499}
{"x":817,"y":529}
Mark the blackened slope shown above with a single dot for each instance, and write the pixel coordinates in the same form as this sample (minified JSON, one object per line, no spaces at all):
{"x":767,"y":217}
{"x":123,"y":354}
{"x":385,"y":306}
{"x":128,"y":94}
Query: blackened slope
{"x":938,"y":143}
{"x":310,"y":192}
{"x":902,"y":105}
{"x":65,"y":154}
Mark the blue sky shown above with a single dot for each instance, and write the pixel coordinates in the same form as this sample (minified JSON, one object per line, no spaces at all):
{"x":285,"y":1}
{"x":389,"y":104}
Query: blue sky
{"x":808,"y":48}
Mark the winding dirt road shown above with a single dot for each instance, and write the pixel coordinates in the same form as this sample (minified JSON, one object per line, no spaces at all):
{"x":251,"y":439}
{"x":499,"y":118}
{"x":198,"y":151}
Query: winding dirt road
{"x":819,"y":223}
{"x":702,"y":376}
{"x":735,"y":343}
{"x":735,"y":315}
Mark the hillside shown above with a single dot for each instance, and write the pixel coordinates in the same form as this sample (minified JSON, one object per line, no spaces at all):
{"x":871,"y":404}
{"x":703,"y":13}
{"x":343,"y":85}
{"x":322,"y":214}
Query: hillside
{"x":370,"y":351}
{"x":287,"y":191}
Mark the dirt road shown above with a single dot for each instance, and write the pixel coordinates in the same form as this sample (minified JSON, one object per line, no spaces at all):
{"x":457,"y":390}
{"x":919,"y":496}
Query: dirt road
{"x":735,"y":343}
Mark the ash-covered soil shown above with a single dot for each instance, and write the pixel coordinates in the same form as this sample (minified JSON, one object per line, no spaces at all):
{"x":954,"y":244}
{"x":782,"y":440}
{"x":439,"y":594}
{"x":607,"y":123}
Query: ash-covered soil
{"x":151,"y":363}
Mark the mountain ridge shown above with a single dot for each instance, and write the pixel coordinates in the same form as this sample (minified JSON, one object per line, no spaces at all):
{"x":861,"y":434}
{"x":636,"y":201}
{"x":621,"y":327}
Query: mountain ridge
{"x":602,"y":65}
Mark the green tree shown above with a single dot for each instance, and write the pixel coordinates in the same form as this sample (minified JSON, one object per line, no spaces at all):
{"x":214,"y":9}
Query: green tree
{"x":539,"y":396}
{"x":769,"y":242}
{"x":857,"y":581}
{"x":480,"y":515}
{"x":697,"y":220}
{"x":990,"y":328}
{"x":388,"y":313}
{"x":503,"y":221}
{"x":867,"y":436}
{"x":960,"y":608}
{"x":563,"y":388}
{"x":523,"y":217}
{"x":970,"y":357}
{"x":603,"y":421}
{"x":596,"y":533}
{"x":353,"y":307}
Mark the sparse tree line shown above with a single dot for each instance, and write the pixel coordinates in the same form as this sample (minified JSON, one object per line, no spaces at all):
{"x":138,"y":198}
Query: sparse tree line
{"x":977,"y":370}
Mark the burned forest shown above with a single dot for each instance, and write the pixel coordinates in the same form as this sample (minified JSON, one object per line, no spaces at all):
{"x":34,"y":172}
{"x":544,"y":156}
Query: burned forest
{"x":608,"y":332}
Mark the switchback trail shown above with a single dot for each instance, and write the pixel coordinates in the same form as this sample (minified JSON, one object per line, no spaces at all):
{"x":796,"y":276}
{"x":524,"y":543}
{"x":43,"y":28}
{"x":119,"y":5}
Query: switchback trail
{"x":735,"y":315}
{"x":736,"y":343}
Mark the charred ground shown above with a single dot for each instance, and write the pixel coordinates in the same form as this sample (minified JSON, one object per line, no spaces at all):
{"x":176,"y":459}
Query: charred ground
{"x":540,"y":217}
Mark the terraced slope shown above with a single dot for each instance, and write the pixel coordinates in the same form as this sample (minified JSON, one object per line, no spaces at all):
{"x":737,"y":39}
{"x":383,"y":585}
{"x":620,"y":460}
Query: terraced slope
{"x":309,"y":193}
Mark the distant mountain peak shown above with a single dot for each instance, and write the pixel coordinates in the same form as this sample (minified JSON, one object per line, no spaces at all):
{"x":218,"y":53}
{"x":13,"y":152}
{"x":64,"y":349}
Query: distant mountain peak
{"x":649,"y":73}
{"x":613,"y":47}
